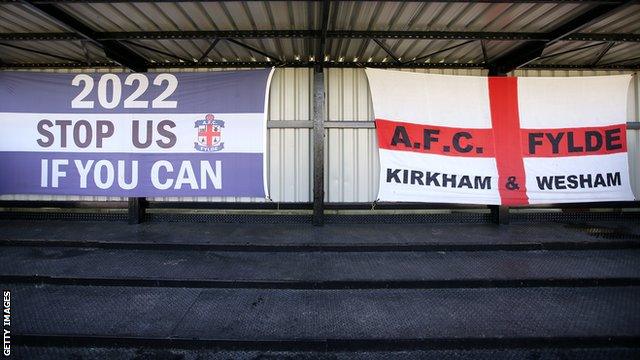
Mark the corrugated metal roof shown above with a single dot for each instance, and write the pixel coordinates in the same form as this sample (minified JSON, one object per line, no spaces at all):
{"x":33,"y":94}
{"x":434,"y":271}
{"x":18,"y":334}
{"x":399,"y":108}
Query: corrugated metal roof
{"x":517,"y":17}
{"x":357,"y":15}
{"x":627,"y":21}
{"x":16,"y":18}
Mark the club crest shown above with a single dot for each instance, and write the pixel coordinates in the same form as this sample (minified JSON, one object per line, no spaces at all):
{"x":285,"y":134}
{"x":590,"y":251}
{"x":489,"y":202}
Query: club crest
{"x":209,"y":134}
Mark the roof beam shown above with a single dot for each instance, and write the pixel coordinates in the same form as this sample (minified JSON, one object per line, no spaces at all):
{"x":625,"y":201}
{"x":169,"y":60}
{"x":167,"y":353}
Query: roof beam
{"x":254,"y":49}
{"x":261,"y":34}
{"x":482,"y":35}
{"x":149,"y":48}
{"x":112,"y":48}
{"x":483,"y":47}
{"x":413,"y":61}
{"x":345,"y":64}
{"x":387,"y":50}
{"x":209,"y":50}
{"x":415,"y":1}
{"x":531,"y":50}
{"x":85,"y":51}
{"x":603,"y":52}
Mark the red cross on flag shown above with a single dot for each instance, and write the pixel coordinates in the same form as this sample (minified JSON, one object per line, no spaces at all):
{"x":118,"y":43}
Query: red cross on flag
{"x":501,"y":140}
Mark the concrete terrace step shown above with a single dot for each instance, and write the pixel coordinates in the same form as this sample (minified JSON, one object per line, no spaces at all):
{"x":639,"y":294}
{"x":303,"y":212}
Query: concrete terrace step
{"x":333,"y":237}
{"x":170,"y":351}
{"x":369,"y":316}
{"x":93,"y":266}
{"x":204,"y":290}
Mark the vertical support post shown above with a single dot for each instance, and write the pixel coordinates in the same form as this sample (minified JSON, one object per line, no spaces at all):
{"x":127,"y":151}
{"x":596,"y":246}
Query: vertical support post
{"x":499,"y":214}
{"x":136,"y":210}
{"x":318,"y":146}
{"x":318,"y":118}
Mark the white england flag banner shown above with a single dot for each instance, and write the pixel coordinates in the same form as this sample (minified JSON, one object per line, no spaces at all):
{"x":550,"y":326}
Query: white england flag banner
{"x":501,"y":140}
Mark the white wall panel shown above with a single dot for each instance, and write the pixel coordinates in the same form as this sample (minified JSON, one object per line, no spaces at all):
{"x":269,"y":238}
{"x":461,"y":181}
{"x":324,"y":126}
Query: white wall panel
{"x":289,"y":165}
{"x":351,"y":165}
{"x":348,"y":96}
{"x":289,"y":150}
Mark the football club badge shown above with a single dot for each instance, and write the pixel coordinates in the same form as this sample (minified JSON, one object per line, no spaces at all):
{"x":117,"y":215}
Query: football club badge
{"x":209,"y":134}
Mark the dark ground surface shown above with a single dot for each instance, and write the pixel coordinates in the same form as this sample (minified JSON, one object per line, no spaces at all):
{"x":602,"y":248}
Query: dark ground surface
{"x":332,"y":234}
{"x":99,"y":290}
{"x":39,"y":352}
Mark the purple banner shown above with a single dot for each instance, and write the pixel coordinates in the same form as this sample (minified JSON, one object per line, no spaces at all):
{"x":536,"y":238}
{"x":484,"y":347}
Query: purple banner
{"x":134,"y":134}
